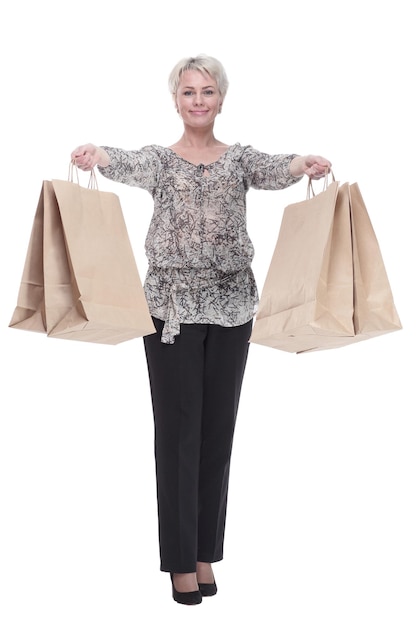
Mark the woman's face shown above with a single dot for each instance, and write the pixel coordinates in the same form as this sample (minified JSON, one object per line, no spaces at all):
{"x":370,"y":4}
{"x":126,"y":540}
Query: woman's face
{"x":198,"y":100}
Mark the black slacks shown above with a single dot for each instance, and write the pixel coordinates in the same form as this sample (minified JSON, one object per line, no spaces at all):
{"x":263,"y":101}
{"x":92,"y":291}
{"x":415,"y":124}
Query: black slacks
{"x":195,"y":388}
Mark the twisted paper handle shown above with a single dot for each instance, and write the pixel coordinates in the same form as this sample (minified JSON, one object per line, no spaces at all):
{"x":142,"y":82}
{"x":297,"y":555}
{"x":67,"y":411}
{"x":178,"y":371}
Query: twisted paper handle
{"x":73,"y":176}
{"x":310,"y":190}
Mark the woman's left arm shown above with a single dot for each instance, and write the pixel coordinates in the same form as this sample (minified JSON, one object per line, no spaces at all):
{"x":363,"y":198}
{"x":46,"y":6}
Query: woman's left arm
{"x":313,"y":166}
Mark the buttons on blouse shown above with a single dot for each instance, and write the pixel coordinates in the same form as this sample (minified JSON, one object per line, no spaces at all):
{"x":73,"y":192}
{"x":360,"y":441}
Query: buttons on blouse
{"x":203,"y":169}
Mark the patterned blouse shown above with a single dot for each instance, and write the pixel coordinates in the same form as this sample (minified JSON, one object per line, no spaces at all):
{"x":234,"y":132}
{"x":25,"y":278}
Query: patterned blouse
{"x":197,"y":245}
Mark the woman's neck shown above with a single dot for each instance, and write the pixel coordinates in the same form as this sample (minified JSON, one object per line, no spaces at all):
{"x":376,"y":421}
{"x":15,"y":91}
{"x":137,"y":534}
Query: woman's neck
{"x":199,"y":146}
{"x":197,"y":139}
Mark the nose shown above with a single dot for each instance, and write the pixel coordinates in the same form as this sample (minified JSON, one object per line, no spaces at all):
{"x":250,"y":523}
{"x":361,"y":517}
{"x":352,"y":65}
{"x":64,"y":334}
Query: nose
{"x":197,"y":101}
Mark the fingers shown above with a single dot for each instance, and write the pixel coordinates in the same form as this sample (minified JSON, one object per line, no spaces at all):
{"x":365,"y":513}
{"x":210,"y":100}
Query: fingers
{"x":84,"y":162}
{"x":317,"y":167}
{"x":84,"y":157}
{"x":81,"y":151}
{"x":317,"y":171}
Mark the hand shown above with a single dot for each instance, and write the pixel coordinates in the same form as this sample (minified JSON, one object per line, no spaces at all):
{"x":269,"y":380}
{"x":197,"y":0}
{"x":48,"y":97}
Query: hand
{"x":88,"y":156}
{"x":313,"y":166}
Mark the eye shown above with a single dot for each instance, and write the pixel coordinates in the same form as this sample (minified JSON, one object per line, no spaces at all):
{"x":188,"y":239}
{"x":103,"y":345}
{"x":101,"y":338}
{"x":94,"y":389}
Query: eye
{"x":187,"y":93}
{"x":209,"y":92}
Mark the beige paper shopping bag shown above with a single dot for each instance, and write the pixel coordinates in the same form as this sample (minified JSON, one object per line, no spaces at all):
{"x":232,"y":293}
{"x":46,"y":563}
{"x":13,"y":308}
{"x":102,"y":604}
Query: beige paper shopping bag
{"x":374,"y":307}
{"x":326,"y":286}
{"x":80,"y":279}
{"x":308,"y":290}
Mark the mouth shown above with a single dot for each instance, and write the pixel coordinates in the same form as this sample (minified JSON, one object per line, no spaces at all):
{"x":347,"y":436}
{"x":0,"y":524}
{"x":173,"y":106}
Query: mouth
{"x":198,"y":112}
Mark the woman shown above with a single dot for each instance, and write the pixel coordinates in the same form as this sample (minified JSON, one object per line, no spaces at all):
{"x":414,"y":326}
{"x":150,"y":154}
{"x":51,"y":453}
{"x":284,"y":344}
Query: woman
{"x":202,"y":295}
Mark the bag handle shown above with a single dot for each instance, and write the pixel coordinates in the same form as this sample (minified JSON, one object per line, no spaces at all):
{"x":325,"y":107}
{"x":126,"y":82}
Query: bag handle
{"x":310,"y":193}
{"x":73,"y":176}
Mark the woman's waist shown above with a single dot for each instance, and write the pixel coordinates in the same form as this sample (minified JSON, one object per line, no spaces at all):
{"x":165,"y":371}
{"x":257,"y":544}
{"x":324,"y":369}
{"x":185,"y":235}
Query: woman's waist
{"x":195,"y":277}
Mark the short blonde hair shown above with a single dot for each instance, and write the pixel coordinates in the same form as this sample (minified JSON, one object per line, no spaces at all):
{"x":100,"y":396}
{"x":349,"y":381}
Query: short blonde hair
{"x":201,"y":63}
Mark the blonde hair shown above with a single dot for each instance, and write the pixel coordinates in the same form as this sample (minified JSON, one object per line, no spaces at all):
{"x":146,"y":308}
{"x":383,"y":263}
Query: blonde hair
{"x":201,"y":63}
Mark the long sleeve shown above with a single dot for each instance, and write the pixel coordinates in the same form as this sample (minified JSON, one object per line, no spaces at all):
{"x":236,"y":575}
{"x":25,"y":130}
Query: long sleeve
{"x":138,"y":168}
{"x":267,"y":171}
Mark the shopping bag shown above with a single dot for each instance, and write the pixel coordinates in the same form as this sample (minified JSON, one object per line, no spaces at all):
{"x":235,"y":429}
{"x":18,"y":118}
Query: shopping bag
{"x":326,"y":286}
{"x":374,"y":307}
{"x":80,"y":279}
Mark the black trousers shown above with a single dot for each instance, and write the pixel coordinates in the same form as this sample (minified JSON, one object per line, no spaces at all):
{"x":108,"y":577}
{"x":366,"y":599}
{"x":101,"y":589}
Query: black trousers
{"x":195,"y":388}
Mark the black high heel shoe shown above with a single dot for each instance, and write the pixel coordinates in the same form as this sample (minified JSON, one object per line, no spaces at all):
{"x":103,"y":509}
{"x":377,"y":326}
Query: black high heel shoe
{"x":186,"y":597}
{"x":208,"y":589}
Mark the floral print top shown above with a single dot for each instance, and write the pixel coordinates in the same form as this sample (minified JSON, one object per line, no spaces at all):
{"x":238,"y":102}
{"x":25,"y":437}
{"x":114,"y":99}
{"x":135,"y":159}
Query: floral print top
{"x":197,"y":245}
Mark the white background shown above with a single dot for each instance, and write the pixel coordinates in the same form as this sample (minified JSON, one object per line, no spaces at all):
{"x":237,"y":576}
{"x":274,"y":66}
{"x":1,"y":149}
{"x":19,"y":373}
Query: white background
{"x":323,"y":496}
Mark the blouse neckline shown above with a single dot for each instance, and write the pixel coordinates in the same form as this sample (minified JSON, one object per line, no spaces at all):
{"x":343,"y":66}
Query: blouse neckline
{"x":199,"y":165}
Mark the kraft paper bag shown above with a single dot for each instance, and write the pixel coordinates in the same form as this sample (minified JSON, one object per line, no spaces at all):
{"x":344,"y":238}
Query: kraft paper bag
{"x":326,"y":286}
{"x":80,"y":279}
{"x":374,"y":307}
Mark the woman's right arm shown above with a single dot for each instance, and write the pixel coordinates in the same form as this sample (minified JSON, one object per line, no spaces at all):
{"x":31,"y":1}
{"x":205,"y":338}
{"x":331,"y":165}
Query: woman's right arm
{"x":88,"y":156}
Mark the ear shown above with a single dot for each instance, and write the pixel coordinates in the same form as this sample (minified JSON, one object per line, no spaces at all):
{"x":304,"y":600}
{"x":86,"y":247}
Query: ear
{"x":175,"y":102}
